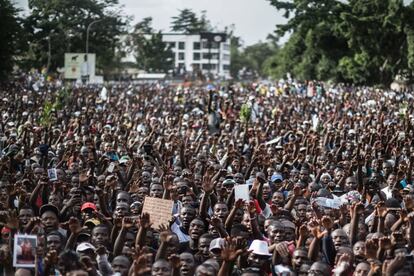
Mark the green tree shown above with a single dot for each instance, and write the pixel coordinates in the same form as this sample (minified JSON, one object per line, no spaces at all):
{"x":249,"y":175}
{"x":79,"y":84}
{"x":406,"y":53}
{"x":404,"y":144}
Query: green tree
{"x":375,"y":32}
{"x":10,"y":35}
{"x":189,"y":22}
{"x":238,"y":61}
{"x":315,"y":45}
{"x":63,"y":24}
{"x":151,"y":53}
{"x":361,"y":41}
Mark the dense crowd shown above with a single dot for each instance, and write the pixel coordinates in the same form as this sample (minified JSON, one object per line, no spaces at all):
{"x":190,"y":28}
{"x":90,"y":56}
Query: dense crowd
{"x":329,"y":171}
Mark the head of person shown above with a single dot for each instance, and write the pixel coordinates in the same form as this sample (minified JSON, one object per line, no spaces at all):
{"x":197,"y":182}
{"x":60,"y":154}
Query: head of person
{"x":276,"y":232}
{"x":259,"y":254}
{"x":205,"y":270}
{"x":362,"y":269}
{"x":197,"y":228}
{"x":123,"y":197}
{"x":49,"y":215}
{"x":121,"y":264}
{"x":54,"y":241}
{"x":340,"y":238}
{"x":25,"y":214}
{"x":187,"y":214}
{"x":319,"y":269}
{"x":359,"y":250}
{"x":300,"y":257}
{"x":121,"y":210}
{"x":68,"y":261}
{"x":278,"y":199}
{"x":156,"y":190}
{"x":221,"y":211}
{"x":100,"y":235}
{"x":187,"y":264}
{"x":161,"y":268}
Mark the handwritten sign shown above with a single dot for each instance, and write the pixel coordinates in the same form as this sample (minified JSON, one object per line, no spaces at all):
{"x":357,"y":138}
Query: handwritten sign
{"x":160,"y":210}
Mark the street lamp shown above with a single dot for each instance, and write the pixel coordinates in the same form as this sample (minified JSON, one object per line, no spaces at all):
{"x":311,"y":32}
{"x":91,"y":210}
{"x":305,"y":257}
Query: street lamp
{"x":49,"y":52}
{"x":87,"y":33}
{"x":87,"y":45}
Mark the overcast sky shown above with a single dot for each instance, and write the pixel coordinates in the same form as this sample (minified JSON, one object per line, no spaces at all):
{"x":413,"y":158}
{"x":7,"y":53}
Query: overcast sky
{"x":253,"y":19}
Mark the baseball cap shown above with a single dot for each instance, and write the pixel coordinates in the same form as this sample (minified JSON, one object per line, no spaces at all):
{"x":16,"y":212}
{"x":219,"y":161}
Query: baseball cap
{"x":88,"y":205}
{"x":84,"y":246}
{"x":217,"y":243}
{"x":49,"y":207}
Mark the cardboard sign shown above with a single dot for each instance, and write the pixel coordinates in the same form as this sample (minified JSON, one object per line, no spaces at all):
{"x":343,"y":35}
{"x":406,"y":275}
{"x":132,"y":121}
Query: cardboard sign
{"x":242,"y":191}
{"x":24,"y":251}
{"x":160,"y":210}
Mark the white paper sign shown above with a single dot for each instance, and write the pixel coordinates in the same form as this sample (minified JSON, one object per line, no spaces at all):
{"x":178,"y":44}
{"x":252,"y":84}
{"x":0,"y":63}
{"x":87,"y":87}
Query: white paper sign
{"x":242,"y":191}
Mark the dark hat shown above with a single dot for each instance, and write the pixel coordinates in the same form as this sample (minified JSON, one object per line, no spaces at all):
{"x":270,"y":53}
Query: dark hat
{"x":49,"y":207}
{"x":392,"y":203}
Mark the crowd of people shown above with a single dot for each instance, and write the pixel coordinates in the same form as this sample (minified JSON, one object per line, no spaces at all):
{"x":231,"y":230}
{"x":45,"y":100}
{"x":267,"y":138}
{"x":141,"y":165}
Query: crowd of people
{"x":329,"y":171}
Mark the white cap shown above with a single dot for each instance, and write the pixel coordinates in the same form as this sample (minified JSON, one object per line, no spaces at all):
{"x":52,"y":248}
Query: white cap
{"x":84,"y":246}
{"x":217,"y":243}
{"x":259,"y":247}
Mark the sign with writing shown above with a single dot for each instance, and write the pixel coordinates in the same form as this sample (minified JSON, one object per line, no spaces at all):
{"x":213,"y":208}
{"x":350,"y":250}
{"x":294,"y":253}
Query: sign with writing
{"x":160,"y":210}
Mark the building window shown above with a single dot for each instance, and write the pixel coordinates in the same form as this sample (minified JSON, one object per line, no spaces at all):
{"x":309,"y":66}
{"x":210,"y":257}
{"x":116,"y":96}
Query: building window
{"x":196,"y":56}
{"x":207,"y":66}
{"x":226,"y":57}
{"x":181,"y":45}
{"x":196,"y":66}
{"x":171,"y":45}
{"x":215,"y":45}
{"x":226,"y":67}
{"x":205,"y":44}
{"x":213,"y":56}
{"x":226,"y":47}
{"x":196,"y":46}
{"x":181,"y":56}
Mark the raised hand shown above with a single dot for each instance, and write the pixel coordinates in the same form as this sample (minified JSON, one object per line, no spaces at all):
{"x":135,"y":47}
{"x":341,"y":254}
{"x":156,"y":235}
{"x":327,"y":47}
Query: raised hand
{"x":74,"y":225}
{"x":174,"y":261}
{"x":12,"y":220}
{"x":385,"y":243}
{"x":215,"y":221}
{"x":127,"y":223}
{"x":229,"y":252}
{"x":327,"y":223}
{"x":207,"y":185}
{"x":239,"y":203}
{"x":371,"y":248}
{"x":145,"y":221}
{"x":51,"y":258}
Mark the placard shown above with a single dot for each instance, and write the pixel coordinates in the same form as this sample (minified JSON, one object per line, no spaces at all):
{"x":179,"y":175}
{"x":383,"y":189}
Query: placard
{"x":242,"y":191}
{"x":52,"y":174}
{"x":160,"y":210}
{"x":24,"y":251}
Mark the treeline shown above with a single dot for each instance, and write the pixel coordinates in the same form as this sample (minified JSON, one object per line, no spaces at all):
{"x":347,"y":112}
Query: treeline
{"x":368,"y":42}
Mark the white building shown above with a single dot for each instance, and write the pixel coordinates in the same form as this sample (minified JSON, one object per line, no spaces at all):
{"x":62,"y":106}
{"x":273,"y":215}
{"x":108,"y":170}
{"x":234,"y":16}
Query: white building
{"x":192,"y":54}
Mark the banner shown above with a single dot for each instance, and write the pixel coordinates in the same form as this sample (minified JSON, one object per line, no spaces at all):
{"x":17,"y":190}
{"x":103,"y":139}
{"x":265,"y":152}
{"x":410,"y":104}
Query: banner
{"x":79,"y":65}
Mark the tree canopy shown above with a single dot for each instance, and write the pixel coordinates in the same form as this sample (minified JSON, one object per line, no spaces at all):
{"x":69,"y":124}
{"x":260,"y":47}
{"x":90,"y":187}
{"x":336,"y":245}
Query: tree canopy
{"x":151,"y":53}
{"x":10,"y":36}
{"x":63,"y":24}
{"x":360,"y":41}
{"x":189,"y":22}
